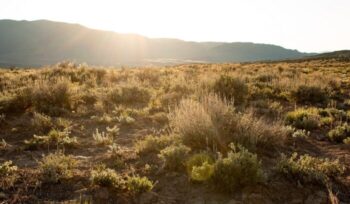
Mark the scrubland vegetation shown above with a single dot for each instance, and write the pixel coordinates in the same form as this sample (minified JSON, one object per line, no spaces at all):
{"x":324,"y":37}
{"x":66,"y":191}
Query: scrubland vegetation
{"x":203,"y":133}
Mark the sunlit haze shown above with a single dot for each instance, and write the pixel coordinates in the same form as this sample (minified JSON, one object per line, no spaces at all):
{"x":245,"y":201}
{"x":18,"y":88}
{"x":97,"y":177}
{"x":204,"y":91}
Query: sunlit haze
{"x":306,"y":25}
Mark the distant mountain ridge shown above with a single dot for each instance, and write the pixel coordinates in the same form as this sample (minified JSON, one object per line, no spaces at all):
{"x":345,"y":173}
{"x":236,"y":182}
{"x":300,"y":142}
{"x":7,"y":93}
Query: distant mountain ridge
{"x":36,"y":43}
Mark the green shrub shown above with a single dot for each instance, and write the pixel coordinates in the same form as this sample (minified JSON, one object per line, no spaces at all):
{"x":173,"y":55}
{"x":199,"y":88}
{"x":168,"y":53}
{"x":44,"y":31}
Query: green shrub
{"x":153,"y":144}
{"x":57,"y":166}
{"x":200,"y":167}
{"x":106,"y":177}
{"x":138,"y":185}
{"x":339,"y":133}
{"x":174,"y":157}
{"x":310,"y":94}
{"x":231,"y":88}
{"x":301,"y":118}
{"x":309,"y":169}
{"x":240,"y":168}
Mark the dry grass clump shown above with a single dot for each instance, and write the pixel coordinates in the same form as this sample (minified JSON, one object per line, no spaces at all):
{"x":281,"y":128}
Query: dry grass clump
{"x":202,"y":124}
{"x":8,"y":174}
{"x":41,"y":122}
{"x":231,"y":88}
{"x":102,"y":138}
{"x":212,"y":123}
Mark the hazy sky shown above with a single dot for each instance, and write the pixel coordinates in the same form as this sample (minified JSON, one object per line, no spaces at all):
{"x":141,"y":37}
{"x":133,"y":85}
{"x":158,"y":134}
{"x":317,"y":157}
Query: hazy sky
{"x":306,"y":25}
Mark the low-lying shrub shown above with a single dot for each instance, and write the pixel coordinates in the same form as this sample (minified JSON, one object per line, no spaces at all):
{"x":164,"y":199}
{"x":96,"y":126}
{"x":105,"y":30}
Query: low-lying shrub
{"x":200,"y":167}
{"x":310,"y":94}
{"x":301,"y":118}
{"x":240,"y":168}
{"x":153,"y":144}
{"x":339,"y":133}
{"x":309,"y":169}
{"x":56,"y":167}
{"x":54,"y":138}
{"x":41,"y":122}
{"x":174,"y":157}
{"x":8,"y":174}
{"x":106,"y":177}
{"x":137,"y":185}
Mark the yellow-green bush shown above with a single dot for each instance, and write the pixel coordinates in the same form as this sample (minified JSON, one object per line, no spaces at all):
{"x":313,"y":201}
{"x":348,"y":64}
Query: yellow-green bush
{"x":200,"y":167}
{"x":339,"y":133}
{"x":238,"y":169}
{"x":137,"y":185}
{"x":309,"y":169}
{"x":301,"y":118}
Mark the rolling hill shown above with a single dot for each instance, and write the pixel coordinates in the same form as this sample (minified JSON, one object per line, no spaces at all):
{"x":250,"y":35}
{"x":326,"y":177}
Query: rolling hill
{"x":36,"y":43}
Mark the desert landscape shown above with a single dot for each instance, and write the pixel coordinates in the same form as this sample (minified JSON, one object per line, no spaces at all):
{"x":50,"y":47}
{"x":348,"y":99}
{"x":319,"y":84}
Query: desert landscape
{"x":274,"y":132}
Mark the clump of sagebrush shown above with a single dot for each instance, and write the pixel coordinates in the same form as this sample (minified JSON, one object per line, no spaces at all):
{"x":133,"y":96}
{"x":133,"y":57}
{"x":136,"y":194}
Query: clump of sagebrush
{"x":238,"y":169}
{"x":339,"y":133}
{"x":54,"y":138}
{"x":128,"y":95}
{"x":174,"y":157}
{"x":200,"y":167}
{"x":231,"y":88}
{"x":309,"y":169}
{"x":56,"y":167}
{"x":41,"y":122}
{"x":252,"y":132}
{"x":52,"y":97}
{"x":310,"y":94}
{"x":137,"y":185}
{"x":212,"y":123}
{"x":8,"y":174}
{"x":153,"y":144}
{"x":203,"y":124}
{"x":302,"y":118}
{"x":106,"y":177}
